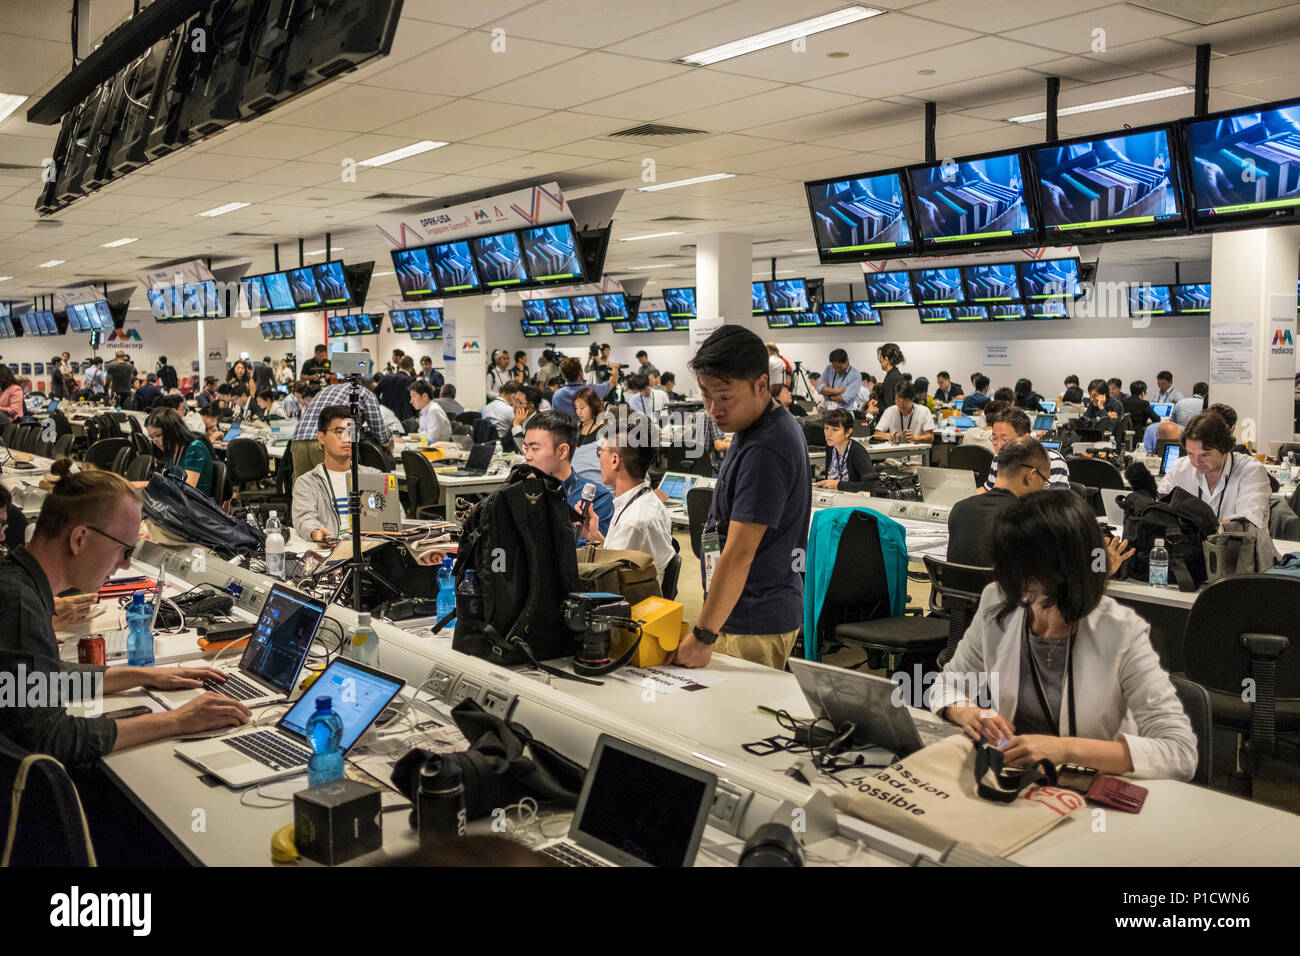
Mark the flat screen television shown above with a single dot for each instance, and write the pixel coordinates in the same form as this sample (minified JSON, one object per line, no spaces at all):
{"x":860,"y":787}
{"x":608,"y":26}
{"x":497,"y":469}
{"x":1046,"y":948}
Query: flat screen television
{"x":780,"y":320}
{"x":1048,"y":309}
{"x":414,"y":272}
{"x":937,"y":287}
{"x":559,"y":311}
{"x":933,"y":313}
{"x":160,"y":303}
{"x":621,"y":325}
{"x":579,"y":328}
{"x":1243,"y":166}
{"x":834,"y":313}
{"x":73,"y":313}
{"x":861,"y":313}
{"x":1008,"y":312}
{"x":368,"y":323}
{"x":1049,"y":279}
{"x":334,"y":326}
{"x":415,"y":320}
{"x":641,"y":323}
{"x":1190,"y":298}
{"x":331,"y":284}
{"x":1119,"y":185}
{"x":681,"y":323}
{"x":530,"y":331}
{"x":969,"y":313}
{"x":551,"y":253}
{"x":453,"y":268}
{"x":277,"y":292}
{"x":499,"y":259}
{"x":302,"y":285}
{"x":350,"y":323}
{"x":398,"y":318}
{"x":787,"y":295}
{"x":659,"y":321}
{"x":860,"y":217}
{"x":976,"y":202}
{"x":995,"y":283}
{"x":254,"y":294}
{"x":564,"y":330}
{"x":584,"y":308}
{"x":611,"y":305}
{"x":192,"y":295}
{"x":432,"y":319}
{"x":545,"y":330}
{"x":889,"y":290}
{"x":534,"y":310}
{"x":680,"y":302}
{"x":807,"y":320}
{"x":758,"y":292}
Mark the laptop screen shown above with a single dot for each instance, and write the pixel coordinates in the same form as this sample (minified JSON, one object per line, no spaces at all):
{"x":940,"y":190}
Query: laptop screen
{"x":1044,"y":422}
{"x":1052,"y":445}
{"x":357,"y":694}
{"x":957,"y":402}
{"x":961,"y":421}
{"x":232,"y":434}
{"x":675,"y":486}
{"x":1049,"y":407}
{"x":1172,"y":453}
{"x":281,"y":637}
{"x":1163,"y":409}
{"x":645,"y":807}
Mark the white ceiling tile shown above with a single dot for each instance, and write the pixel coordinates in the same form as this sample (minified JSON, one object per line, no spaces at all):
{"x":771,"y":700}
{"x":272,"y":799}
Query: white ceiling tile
{"x":182,"y":164}
{"x":1243,"y":34}
{"x":783,"y":103}
{"x":461,"y":13}
{"x":599,"y":22}
{"x":360,"y":108}
{"x":1000,"y":17}
{"x":545,"y":132}
{"x":572,"y":82}
{"x":694,"y":90}
{"x":1097,"y":30}
{"x":469,"y":64}
{"x":1084,"y":69}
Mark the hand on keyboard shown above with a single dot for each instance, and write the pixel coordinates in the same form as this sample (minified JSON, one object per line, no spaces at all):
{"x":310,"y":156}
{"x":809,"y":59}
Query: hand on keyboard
{"x":208,"y":712}
{"x":178,"y":678}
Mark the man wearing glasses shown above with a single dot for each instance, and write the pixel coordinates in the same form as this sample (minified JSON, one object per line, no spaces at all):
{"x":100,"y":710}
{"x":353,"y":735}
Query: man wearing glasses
{"x":1010,"y":424}
{"x":86,"y":531}
{"x":320,"y":497}
{"x":1022,"y":467}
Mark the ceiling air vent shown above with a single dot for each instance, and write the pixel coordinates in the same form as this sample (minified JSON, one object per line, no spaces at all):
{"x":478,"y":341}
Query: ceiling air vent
{"x":646,"y":130}
{"x":394,"y":197}
{"x":678,"y":219}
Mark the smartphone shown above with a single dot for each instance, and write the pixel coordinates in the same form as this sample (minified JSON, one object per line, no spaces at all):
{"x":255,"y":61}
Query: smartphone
{"x":128,"y":712}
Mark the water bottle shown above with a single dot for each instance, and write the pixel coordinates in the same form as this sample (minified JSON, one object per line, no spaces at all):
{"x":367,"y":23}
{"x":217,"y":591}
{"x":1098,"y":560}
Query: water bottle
{"x":498,"y":460}
{"x":364,"y":645}
{"x":1288,"y":470}
{"x":251,"y":518}
{"x":324,"y":731}
{"x":1158,"y":563}
{"x":139,"y":636}
{"x":274,"y":547}
{"x":446,"y":593}
{"x":440,"y":800}
{"x":469,"y":599}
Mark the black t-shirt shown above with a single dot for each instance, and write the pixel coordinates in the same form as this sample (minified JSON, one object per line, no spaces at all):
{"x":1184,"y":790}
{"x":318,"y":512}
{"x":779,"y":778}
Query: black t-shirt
{"x":970,"y":527}
{"x":766,"y":479}
{"x":313,"y":367}
{"x":888,"y":388}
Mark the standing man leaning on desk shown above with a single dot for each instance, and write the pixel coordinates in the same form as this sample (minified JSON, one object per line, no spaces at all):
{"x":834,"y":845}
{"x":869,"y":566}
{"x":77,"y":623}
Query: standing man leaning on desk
{"x":753,"y":604}
{"x":86,"y":531}
{"x":841,"y":382}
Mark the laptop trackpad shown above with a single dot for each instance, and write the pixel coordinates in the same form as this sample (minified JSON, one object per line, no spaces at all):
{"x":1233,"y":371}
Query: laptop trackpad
{"x":224,"y":760}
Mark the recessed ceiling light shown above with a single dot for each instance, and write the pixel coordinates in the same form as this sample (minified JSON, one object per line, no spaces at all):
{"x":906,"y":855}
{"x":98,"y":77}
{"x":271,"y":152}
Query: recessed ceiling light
{"x":685,"y":182}
{"x":761,"y":41}
{"x":5,"y":278}
{"x":1105,"y":104}
{"x":375,"y":275}
{"x":803,"y":250}
{"x":8,"y":103}
{"x":649,"y":235}
{"x":118,"y":242}
{"x":51,"y":264}
{"x":406,"y":152}
{"x":222,"y":210}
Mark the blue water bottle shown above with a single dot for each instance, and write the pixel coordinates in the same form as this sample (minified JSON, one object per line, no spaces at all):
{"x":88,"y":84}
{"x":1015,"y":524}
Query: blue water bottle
{"x":324,"y":730}
{"x":446,"y":592}
{"x":139,"y":635}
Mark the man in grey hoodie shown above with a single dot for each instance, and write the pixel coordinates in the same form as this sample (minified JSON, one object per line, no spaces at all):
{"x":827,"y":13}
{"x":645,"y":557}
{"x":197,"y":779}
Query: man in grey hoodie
{"x":320,"y":497}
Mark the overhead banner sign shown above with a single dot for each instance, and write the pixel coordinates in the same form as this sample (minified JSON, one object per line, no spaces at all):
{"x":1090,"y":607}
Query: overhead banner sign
{"x":536,"y":206}
{"x":67,"y":297}
{"x":176,"y":276}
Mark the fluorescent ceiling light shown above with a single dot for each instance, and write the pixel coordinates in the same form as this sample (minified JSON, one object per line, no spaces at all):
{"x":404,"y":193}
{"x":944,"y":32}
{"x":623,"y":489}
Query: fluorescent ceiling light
{"x":321,"y":252}
{"x":8,"y":103}
{"x":406,"y":152}
{"x":222,"y":210}
{"x":375,"y":275}
{"x":803,"y":250}
{"x":5,"y":278}
{"x":1105,"y":104}
{"x":51,"y":264}
{"x":761,"y":41}
{"x":650,"y":235}
{"x":685,"y":182}
{"x":118,"y":242}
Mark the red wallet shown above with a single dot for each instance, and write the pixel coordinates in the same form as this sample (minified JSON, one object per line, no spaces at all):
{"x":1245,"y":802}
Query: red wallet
{"x":1117,"y":793}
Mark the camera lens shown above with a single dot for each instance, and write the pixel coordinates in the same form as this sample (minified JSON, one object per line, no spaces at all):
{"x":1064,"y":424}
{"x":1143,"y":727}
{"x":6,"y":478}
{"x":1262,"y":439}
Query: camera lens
{"x":595,"y":648}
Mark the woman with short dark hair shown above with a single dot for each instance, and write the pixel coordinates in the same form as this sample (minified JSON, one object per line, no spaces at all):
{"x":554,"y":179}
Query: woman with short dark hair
{"x":1072,"y":674}
{"x":180,"y":448}
{"x":848,"y":465}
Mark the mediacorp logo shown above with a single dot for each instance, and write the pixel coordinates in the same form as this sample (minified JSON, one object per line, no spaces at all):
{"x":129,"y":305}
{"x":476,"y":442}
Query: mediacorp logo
{"x":124,"y":335}
{"x":1282,"y":337}
{"x":469,"y":346}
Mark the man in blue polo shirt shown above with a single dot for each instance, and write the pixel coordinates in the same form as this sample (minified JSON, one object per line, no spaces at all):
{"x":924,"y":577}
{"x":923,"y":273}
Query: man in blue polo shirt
{"x":753,"y":604}
{"x":549,"y":441}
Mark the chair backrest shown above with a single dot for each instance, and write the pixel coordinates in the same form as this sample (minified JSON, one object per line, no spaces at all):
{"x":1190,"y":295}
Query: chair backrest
{"x":974,"y":458}
{"x":813,"y":434}
{"x":858,"y":589}
{"x":122,"y":459}
{"x":28,"y":435}
{"x":11,"y":430}
{"x":1095,"y":473}
{"x":410,"y":425}
{"x":1079,"y":489}
{"x":955,"y":589}
{"x":140,"y":469}
{"x":469,"y":418}
{"x":483,"y":430}
{"x":672,"y":571}
{"x":103,"y":452}
{"x":421,"y":483}
{"x":460,"y":428}
{"x":305,"y":454}
{"x":51,"y":828}
{"x":371,"y":454}
{"x":698,"y":502}
{"x":246,"y":461}
{"x":220,"y":481}
{"x":1283,"y":522}
{"x":62,"y":446}
{"x":143,"y":446}
{"x":61,"y":424}
{"x":1196,"y":702}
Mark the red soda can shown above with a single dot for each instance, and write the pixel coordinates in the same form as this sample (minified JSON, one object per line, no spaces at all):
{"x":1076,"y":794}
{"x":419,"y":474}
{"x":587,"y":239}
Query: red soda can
{"x":90,"y":650}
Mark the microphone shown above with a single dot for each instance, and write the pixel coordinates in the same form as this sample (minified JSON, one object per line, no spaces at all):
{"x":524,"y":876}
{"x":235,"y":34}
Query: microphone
{"x":1139,"y":479}
{"x":588,"y":498}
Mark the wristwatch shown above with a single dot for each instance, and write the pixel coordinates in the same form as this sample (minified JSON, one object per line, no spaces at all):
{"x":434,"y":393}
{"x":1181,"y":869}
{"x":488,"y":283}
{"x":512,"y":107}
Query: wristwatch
{"x":704,"y":636}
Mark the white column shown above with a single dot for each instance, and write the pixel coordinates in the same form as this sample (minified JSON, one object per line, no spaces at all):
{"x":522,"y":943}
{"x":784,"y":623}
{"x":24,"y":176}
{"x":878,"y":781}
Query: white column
{"x":1253,"y":278}
{"x":468,"y":371}
{"x":723,"y":273}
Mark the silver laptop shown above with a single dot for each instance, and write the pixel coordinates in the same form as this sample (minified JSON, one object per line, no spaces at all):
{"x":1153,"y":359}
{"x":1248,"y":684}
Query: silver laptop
{"x":675,"y":485}
{"x":381,"y":508}
{"x":357,"y":694}
{"x":1114,"y":510}
{"x":945,"y":486}
{"x":841,"y":696}
{"x":637,"y":808}
{"x":273,"y":656}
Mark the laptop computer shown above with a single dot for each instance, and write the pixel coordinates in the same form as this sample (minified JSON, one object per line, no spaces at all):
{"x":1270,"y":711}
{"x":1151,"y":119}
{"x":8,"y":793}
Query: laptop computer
{"x":1049,"y":407}
{"x":480,"y":459}
{"x":357,"y":694}
{"x":957,"y":402}
{"x":961,"y":422}
{"x":273,"y":656}
{"x":637,"y":808}
{"x":1044,"y":422}
{"x":381,"y":509}
{"x":231,"y":435}
{"x":1114,"y":510}
{"x":1052,"y":445}
{"x":842,"y":696}
{"x":945,"y":486}
{"x":675,"y":485}
{"x":1163,"y":409}
{"x":54,"y":405}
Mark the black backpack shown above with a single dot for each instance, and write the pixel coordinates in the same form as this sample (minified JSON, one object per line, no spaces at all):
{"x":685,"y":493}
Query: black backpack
{"x":182,"y":510}
{"x":1183,"y":521}
{"x":521,"y":544}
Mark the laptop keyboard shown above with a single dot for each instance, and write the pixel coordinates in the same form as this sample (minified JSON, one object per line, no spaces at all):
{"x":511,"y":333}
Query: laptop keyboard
{"x":566,"y":854}
{"x":234,"y":686}
{"x":274,"y":750}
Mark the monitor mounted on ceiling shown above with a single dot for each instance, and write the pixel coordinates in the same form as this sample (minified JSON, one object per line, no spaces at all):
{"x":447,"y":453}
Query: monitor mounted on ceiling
{"x":860,"y":217}
{"x":973,"y":203}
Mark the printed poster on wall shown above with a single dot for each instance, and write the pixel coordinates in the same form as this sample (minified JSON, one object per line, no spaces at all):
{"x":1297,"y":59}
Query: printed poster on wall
{"x":1281,"y":335}
{"x":448,"y":340}
{"x":701,"y":329}
{"x":1232,"y":337}
{"x":997,"y":353}
{"x":1232,"y":368}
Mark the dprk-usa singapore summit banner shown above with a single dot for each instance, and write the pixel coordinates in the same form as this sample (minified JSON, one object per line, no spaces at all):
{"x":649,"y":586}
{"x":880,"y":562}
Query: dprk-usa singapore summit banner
{"x":539,"y":205}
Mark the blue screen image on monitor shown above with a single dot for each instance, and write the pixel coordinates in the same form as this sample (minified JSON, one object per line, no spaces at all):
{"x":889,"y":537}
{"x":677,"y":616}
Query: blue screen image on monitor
{"x":995,"y":283}
{"x":659,"y":321}
{"x":432,"y":319}
{"x":931,"y":313}
{"x":938,"y":286}
{"x":970,"y":313}
{"x":551,"y":253}
{"x":889,"y":290}
{"x":277,"y":292}
{"x":835,"y":313}
{"x":680,"y":302}
{"x":534,"y":310}
{"x":1048,"y":309}
{"x":1008,"y":312}
{"x":302,"y":284}
{"x":787,"y":295}
{"x":500,"y":261}
{"x":584,"y":308}
{"x":969,"y":200}
{"x":1191,"y":298}
{"x":1111,"y":181}
{"x":559,"y":311}
{"x":611,"y":305}
{"x":758,"y":292}
{"x":1049,"y":279}
{"x":1245,"y":162}
{"x":859,"y":215}
{"x":414,"y":272}
{"x":861,"y":313}
{"x":332,"y":285}
{"x":453,"y":267}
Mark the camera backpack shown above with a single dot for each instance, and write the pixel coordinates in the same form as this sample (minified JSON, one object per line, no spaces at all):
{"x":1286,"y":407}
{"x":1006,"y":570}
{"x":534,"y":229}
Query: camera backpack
{"x":1183,"y":521}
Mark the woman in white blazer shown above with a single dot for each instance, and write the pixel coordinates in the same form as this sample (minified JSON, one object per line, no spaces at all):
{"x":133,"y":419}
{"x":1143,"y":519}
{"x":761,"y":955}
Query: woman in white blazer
{"x":1072,"y":673}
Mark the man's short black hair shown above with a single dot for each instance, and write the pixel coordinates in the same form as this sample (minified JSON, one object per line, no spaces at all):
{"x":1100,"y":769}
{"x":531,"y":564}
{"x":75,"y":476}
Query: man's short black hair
{"x":730,"y":353}
{"x":981,"y":382}
{"x":1006,"y":394}
{"x":1022,"y":452}
{"x":448,"y":390}
{"x":1071,"y":380}
{"x":562,"y":428}
{"x":1097,"y":385}
{"x":1115,"y":381}
{"x":1164,"y":376}
{"x":1137,"y":388}
{"x":636,"y":382}
{"x":943,"y":375}
{"x":331,"y":413}
{"x":1015,"y":417}
{"x":906,"y":392}
{"x":509,"y":388}
{"x":238,"y":389}
{"x":643,"y":354}
{"x":422,"y":388}
{"x":839,"y":355}
{"x":319,"y":348}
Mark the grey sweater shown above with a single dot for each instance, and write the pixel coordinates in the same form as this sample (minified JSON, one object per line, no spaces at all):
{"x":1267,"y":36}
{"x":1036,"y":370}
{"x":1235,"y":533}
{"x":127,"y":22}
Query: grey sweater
{"x":313,"y":502}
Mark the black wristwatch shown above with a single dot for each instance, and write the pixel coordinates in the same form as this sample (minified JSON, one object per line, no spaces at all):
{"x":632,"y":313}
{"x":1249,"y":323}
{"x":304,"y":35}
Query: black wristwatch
{"x":704,"y":636}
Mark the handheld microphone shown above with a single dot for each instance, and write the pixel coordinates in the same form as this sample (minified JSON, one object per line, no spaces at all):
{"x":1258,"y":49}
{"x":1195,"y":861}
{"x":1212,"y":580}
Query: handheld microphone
{"x":588,"y":498}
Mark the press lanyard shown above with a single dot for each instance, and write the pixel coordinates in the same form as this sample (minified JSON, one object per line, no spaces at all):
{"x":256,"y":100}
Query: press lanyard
{"x":1052,"y":718}
{"x":1223,"y":490}
{"x":614,"y":520}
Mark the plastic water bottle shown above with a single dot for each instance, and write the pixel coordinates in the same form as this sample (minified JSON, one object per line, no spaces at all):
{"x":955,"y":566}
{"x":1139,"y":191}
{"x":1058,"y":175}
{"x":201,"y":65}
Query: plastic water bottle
{"x":1158,"y":564}
{"x":274,"y":547}
{"x":139,"y":635}
{"x":1288,"y":470}
{"x":469,"y":599}
{"x":498,"y":460}
{"x":446,"y":593}
{"x":364,"y":646}
{"x":324,"y":731}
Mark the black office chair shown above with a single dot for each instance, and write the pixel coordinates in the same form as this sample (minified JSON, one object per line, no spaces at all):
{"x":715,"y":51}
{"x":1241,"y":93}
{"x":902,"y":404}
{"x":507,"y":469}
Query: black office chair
{"x":672,"y":572}
{"x":698,"y":503}
{"x":410,"y":425}
{"x":422,"y":491}
{"x":458,"y":428}
{"x":1283,"y":522}
{"x":469,"y":418}
{"x":955,"y":591}
{"x":371,"y":454}
{"x":247,"y":466}
{"x":1095,"y":473}
{"x":121,"y":460}
{"x":51,"y":828}
{"x":62,"y":446}
{"x":483,"y":430}
{"x":974,"y":458}
{"x":813,"y":434}
{"x":142,"y":445}
{"x":221,"y":484}
{"x":102,"y":454}
{"x":140,"y":469}
{"x":856,"y":609}
{"x":1196,"y":702}
{"x":1288,"y":448}
{"x":10,"y":432}
{"x":29,"y":434}
{"x":1245,"y":629}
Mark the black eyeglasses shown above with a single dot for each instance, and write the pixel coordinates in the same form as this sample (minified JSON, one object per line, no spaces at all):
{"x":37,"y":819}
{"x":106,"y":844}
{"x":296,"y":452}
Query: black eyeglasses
{"x":127,"y":549}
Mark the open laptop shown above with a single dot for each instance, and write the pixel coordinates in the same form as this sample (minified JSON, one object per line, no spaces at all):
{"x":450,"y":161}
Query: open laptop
{"x":232,"y":434}
{"x":1048,"y":407}
{"x":637,"y":808}
{"x":841,"y":696}
{"x":1163,"y":409}
{"x":53,"y":406}
{"x":675,"y":485}
{"x":960,"y":422}
{"x":957,"y":402}
{"x":357,"y":694}
{"x":480,"y":459}
{"x":945,"y":486}
{"x":381,"y":509}
{"x":1044,"y":422}
{"x":273,"y":656}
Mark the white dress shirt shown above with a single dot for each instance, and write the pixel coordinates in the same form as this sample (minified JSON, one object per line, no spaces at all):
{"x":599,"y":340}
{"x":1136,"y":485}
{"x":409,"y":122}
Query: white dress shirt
{"x":434,"y":422}
{"x":501,"y":413}
{"x":496,"y":377}
{"x":918,"y":422}
{"x":641,"y":523}
{"x":1243,"y":490}
{"x":651,"y":405}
